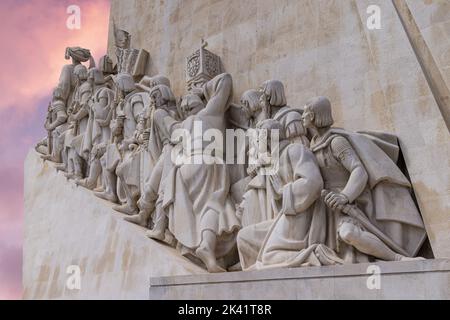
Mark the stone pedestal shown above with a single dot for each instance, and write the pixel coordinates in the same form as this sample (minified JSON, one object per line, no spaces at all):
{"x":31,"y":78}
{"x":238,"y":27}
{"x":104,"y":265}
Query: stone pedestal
{"x":66,"y":225}
{"x":117,"y":260}
{"x":429,"y":279}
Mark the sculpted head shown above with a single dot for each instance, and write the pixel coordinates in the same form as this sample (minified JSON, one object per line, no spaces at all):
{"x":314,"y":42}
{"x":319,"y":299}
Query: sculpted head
{"x":250,"y":100}
{"x":124,"y":82}
{"x":317,"y":113}
{"x":159,"y":79}
{"x":191,"y":104}
{"x":105,"y":65}
{"x":272,"y":94}
{"x":162,"y":95}
{"x":57,"y":103}
{"x":95,"y":76}
{"x":57,"y":94}
{"x":116,"y":126}
{"x":122,"y":38}
{"x":81,"y":72}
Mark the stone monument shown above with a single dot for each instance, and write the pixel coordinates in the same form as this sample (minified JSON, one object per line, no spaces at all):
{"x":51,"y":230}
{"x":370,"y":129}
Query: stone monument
{"x":286,"y":155}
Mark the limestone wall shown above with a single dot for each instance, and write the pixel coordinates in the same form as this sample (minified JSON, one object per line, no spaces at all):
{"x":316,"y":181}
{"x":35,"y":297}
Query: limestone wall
{"x":373,"y":77}
{"x":67,"y":225}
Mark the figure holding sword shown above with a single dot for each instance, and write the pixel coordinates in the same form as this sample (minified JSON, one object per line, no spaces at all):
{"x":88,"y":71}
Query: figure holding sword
{"x":370,"y":213}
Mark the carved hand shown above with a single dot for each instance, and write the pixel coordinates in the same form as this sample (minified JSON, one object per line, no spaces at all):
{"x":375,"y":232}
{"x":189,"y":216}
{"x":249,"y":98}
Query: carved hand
{"x":48,"y":126}
{"x":240,"y":209}
{"x":146,"y":135}
{"x":336,"y":200}
{"x":132,"y":146}
{"x":252,"y":170}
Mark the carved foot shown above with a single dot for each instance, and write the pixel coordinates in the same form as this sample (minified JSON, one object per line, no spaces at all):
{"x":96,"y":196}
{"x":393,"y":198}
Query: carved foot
{"x":85,"y":183}
{"x":403,"y":258}
{"x":125,"y":208}
{"x":60,"y":167}
{"x":209,"y":260}
{"x":69,"y":175}
{"x":49,"y":157}
{"x":235,"y":267}
{"x":99,"y":189}
{"x":106,"y":196}
{"x":43,"y":150}
{"x":156,"y":234}
{"x":140,"y":219}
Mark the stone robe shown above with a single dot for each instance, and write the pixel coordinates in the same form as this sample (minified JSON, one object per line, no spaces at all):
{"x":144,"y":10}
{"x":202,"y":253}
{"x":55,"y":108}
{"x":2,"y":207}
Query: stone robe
{"x":386,"y":199}
{"x":98,"y":130}
{"x":129,"y":169}
{"x":82,"y":96}
{"x":292,"y":236}
{"x":159,"y":154}
{"x":66,"y":83}
{"x":196,"y":196}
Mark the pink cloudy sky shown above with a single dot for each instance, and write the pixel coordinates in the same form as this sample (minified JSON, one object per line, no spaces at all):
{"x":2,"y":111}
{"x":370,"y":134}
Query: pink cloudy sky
{"x":34,"y":37}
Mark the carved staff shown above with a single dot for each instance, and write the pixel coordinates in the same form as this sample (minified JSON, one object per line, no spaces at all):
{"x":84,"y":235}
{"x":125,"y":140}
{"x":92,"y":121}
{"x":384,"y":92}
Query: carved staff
{"x":354,"y":212}
{"x":150,"y":125}
{"x":49,"y":132}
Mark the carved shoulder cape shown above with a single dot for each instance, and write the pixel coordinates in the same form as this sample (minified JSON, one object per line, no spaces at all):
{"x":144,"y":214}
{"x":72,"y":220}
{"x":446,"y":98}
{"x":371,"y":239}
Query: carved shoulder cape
{"x":391,"y":204}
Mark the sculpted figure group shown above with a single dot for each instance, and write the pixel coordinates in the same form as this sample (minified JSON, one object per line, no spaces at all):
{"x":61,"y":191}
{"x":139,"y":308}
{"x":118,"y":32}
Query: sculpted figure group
{"x":335,"y":197}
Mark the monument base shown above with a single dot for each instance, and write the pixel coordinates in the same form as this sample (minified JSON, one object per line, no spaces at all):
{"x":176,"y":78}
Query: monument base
{"x":117,"y":261}
{"x":69,"y":230}
{"x":428,"y":279}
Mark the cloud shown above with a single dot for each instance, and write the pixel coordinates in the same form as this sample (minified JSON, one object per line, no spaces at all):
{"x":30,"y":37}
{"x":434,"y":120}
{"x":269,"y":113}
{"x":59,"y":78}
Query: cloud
{"x":34,"y":43}
{"x":34,"y":37}
{"x":10,"y":272}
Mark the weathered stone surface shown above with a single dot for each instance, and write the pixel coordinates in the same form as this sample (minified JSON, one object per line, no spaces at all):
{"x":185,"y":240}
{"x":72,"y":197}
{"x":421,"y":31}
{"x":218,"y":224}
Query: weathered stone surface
{"x":428,"y":279}
{"x":67,"y":225}
{"x":390,"y":80}
{"x":316,"y":48}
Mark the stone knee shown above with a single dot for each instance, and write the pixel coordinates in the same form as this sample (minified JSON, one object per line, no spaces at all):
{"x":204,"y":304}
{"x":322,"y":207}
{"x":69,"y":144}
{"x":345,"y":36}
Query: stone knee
{"x":148,"y":197}
{"x":349,"y":233}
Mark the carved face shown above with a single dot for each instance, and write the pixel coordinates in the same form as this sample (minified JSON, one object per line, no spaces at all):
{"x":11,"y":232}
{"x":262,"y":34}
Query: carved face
{"x":157,"y":99}
{"x":264,"y":99}
{"x":81,"y":74}
{"x":122,"y":39}
{"x":250,"y":102}
{"x":308,"y":118}
{"x":116,"y":126}
{"x":191,"y":104}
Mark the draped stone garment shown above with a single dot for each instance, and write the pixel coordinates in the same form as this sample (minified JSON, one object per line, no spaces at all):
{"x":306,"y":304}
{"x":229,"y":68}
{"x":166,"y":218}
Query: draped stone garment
{"x":98,"y":130}
{"x":82,"y":95}
{"x":66,"y":83}
{"x":160,"y":151}
{"x":386,"y":200}
{"x":260,"y":201}
{"x":196,"y":196}
{"x":295,"y":235}
{"x":130,"y":167}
